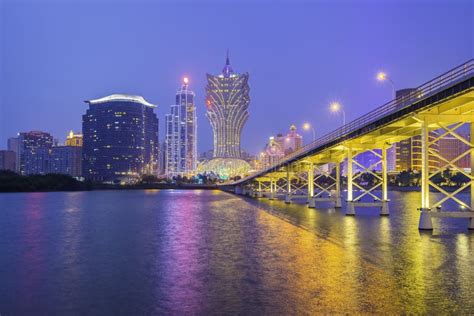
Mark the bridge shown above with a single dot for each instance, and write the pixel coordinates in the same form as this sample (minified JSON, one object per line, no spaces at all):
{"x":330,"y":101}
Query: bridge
{"x":443,"y":104}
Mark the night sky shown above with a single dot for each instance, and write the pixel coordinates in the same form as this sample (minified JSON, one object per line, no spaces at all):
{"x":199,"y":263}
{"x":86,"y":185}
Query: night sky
{"x":300,"y":56}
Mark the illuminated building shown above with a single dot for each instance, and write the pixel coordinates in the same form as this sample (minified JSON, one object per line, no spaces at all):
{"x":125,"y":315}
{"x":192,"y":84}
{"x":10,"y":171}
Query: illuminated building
{"x":273,"y":153}
{"x":291,"y":142}
{"x":227,"y":100}
{"x":451,"y":148}
{"x":67,"y":159}
{"x":34,"y":150}
{"x":120,"y":134}
{"x":74,"y":139}
{"x":7,"y":160}
{"x":181,"y":134}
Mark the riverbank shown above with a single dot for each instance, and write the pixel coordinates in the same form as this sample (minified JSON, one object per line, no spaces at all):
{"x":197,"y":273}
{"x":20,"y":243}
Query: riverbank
{"x":12,"y":182}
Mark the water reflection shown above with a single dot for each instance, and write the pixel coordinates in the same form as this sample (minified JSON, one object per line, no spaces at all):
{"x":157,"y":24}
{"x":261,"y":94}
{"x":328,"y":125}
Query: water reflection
{"x":202,"y":252}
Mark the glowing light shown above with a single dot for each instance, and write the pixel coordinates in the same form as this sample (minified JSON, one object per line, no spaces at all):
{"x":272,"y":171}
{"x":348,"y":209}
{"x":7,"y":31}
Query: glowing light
{"x":335,"y":107}
{"x":186,"y":80}
{"x":306,"y":126}
{"x":381,"y":76}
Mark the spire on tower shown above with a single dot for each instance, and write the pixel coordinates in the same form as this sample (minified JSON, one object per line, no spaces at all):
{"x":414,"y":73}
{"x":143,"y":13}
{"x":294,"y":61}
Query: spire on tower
{"x":227,"y":71}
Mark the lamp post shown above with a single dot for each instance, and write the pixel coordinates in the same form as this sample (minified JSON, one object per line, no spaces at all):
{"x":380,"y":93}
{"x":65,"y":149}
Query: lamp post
{"x":307,"y":127}
{"x":336,"y":107}
{"x":382,"y":76}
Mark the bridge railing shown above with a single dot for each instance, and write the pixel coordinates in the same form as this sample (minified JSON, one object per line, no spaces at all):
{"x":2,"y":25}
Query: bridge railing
{"x":427,"y":89}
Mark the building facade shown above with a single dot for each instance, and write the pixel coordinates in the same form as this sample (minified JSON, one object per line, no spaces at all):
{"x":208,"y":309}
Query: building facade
{"x":7,"y":160}
{"x":67,"y":159}
{"x":227,"y":101}
{"x":33,"y":148}
{"x":181,"y":134}
{"x":13,"y":144}
{"x":120,"y":139}
{"x":450,"y":148}
{"x":74,"y":140}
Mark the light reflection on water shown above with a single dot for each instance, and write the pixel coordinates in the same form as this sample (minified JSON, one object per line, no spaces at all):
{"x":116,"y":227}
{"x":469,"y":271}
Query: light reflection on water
{"x":175,"y":252}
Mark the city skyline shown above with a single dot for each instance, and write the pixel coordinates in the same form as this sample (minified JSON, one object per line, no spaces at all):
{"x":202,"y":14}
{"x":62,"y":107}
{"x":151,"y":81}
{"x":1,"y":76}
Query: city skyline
{"x":37,"y":80}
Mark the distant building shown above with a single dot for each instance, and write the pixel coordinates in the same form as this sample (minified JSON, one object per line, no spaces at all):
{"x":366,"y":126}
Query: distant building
{"x":291,"y":142}
{"x":7,"y":160}
{"x":181,"y":134}
{"x":34,"y":150}
{"x":75,"y":140}
{"x":120,"y":135}
{"x":408,"y":153}
{"x":451,"y":148}
{"x":13,"y":144}
{"x":67,"y":159}
{"x":272,"y":153}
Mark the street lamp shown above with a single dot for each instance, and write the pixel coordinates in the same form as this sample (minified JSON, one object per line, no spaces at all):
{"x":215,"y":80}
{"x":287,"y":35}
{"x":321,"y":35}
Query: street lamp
{"x":382,"y":76}
{"x":307,"y":127}
{"x":336,"y":107}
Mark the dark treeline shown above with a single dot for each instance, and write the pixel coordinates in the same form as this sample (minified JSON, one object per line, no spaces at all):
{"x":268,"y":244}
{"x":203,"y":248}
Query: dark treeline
{"x":13,"y":182}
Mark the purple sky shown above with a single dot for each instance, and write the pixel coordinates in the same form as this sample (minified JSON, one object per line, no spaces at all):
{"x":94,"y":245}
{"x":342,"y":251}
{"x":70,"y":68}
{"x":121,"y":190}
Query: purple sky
{"x":300,"y":56}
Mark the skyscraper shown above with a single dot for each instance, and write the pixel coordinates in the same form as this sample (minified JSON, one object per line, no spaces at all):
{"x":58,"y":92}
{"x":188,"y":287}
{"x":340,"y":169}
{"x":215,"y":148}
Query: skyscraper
{"x":181,"y":134}
{"x":227,"y":101}
{"x":34,"y":150}
{"x":120,"y":139}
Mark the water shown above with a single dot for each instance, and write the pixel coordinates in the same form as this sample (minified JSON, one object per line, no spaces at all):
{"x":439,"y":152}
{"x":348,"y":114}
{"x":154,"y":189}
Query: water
{"x":210,"y":252}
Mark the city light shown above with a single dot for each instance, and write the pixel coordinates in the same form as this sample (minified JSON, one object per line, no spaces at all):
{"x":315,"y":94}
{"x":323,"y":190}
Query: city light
{"x":381,"y":76}
{"x":336,"y":107}
{"x":186,"y":80}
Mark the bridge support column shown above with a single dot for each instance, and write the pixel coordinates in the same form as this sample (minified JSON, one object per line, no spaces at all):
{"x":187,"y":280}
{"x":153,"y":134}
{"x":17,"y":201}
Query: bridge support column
{"x":272,"y":189}
{"x":311,"y":201}
{"x":259,"y":191}
{"x":350,"y":208}
{"x":471,"y":220}
{"x":288,"y":186}
{"x":384,"y":210}
{"x":425,"y":216}
{"x":338,"y":185}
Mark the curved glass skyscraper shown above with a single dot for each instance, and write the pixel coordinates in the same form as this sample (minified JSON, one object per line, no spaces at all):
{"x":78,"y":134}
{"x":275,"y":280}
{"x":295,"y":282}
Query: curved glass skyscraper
{"x":227,"y":102}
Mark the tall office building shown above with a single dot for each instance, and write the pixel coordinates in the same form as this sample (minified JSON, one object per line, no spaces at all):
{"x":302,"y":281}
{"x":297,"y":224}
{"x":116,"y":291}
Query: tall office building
{"x":181,"y":134}
{"x":120,"y":135}
{"x":34,"y":150}
{"x":227,"y":101}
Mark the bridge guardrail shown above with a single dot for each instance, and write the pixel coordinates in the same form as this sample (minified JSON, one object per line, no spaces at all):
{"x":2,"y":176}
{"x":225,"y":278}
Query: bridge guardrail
{"x":427,"y":89}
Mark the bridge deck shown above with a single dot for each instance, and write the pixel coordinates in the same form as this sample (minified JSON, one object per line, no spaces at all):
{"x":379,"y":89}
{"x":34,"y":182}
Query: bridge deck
{"x":444,"y":99}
